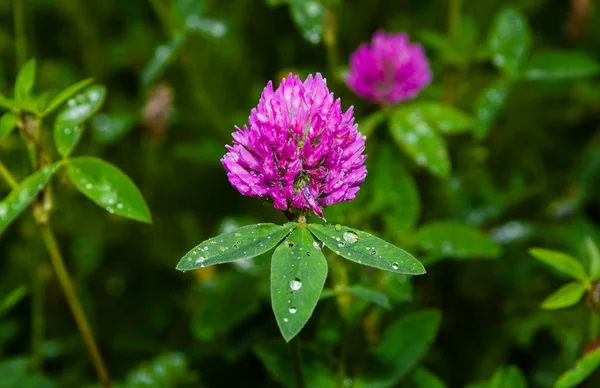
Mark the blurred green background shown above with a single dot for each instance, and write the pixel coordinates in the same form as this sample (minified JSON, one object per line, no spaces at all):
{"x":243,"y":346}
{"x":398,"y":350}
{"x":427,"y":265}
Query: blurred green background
{"x":181,"y":73}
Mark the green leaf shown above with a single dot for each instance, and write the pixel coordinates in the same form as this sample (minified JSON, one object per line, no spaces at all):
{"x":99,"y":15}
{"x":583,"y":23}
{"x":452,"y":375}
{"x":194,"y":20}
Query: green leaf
{"x":594,"y":257}
{"x":209,"y":28}
{"x":243,"y":243}
{"x":584,"y":367}
{"x":25,"y":80}
{"x":364,"y":248}
{"x":456,"y":240}
{"x":446,"y":119}
{"x":6,"y":103}
{"x":488,"y":107}
{"x":81,"y":107}
{"x":13,"y":297}
{"x":420,"y":141}
{"x":66,"y":138}
{"x":371,"y":295}
{"x":553,"y":65}
{"x":163,"y":57}
{"x":367,"y":125}
{"x":183,"y":9}
{"x":510,"y":40}
{"x":566,"y":296}
{"x":507,"y":377}
{"x":65,"y":95}
{"x":561,"y":261}
{"x":109,"y":128}
{"x":166,"y":370}
{"x":17,"y":372}
{"x":298,"y":273}
{"x":423,"y":378}
{"x":108,"y":187}
{"x":308,"y":16}
{"x":403,"y":344}
{"x":279,"y":365}
{"x":8,"y":122}
{"x":20,"y":197}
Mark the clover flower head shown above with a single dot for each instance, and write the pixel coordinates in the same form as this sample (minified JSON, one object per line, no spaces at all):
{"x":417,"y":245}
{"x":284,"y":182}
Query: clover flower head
{"x":299,"y":150}
{"x":389,"y":70}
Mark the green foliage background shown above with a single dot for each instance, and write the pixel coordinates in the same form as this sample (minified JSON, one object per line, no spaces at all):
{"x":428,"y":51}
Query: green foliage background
{"x":528,"y":178}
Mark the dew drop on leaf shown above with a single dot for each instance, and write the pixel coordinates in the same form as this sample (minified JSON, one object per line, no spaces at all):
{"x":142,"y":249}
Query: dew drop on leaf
{"x":295,"y":285}
{"x":395,"y":266}
{"x":293,"y":310}
{"x":350,"y":237}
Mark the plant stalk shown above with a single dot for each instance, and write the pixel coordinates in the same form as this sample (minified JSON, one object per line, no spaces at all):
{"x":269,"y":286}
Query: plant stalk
{"x":7,"y":176}
{"x":78,"y":313}
{"x":297,"y":361}
{"x":19,"y":25}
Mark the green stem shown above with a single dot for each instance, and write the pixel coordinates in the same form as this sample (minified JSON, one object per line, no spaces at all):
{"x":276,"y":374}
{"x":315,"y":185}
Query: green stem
{"x":20,"y":41}
{"x":330,"y":40}
{"x":297,"y":361}
{"x":38,"y":321}
{"x":454,"y":18}
{"x":339,"y":275}
{"x":162,"y":11}
{"x":594,"y":325}
{"x":7,"y":176}
{"x":65,"y":280}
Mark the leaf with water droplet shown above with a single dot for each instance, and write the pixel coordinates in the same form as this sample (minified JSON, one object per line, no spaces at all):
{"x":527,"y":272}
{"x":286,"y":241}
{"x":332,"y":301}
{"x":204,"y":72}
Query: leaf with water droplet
{"x":415,"y":135}
{"x":560,"y":65}
{"x":82,"y":106}
{"x":370,"y":294}
{"x":310,"y":270}
{"x":108,"y":187}
{"x":446,"y":119}
{"x":243,"y":243}
{"x":164,"y":56}
{"x":308,"y":15}
{"x":209,"y":28}
{"x":403,"y":344}
{"x":510,"y":40}
{"x":65,"y":95}
{"x":20,"y":197}
{"x":455,"y":240}
{"x":489,"y":105}
{"x":8,"y":122}
{"x":368,"y":250}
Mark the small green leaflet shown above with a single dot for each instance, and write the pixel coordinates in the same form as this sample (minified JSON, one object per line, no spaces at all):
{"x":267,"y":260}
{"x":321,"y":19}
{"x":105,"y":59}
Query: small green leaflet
{"x":594,"y":258}
{"x":561,"y":261}
{"x":423,"y":378}
{"x":364,"y":248}
{"x":65,"y":95}
{"x":20,"y":197}
{"x":489,"y":105}
{"x":370,"y":294}
{"x":566,"y":296}
{"x":403,"y":344}
{"x":420,"y":141}
{"x":9,"y":301}
{"x":584,"y":367}
{"x":553,"y":65}
{"x":108,"y":187}
{"x":510,"y":40}
{"x":309,"y":16}
{"x":298,"y":273}
{"x":8,"y":122}
{"x":456,"y":240}
{"x":446,"y":119}
{"x":243,"y":243}
{"x":25,"y":81}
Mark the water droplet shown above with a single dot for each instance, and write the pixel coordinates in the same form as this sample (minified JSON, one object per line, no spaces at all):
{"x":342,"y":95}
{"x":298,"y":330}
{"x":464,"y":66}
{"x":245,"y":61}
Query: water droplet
{"x":318,"y":245}
{"x":89,"y":186}
{"x":395,"y":266}
{"x":293,"y":310}
{"x":295,"y":284}
{"x":285,"y":320}
{"x":338,"y":239}
{"x":341,"y":245}
{"x":200,"y":260}
{"x":350,"y":237}
{"x":290,"y":245}
{"x":373,"y":252}
{"x":119,"y":206}
{"x":348,"y":382}
{"x":338,"y":227}
{"x":236,"y":246}
{"x":205,"y":249}
{"x":307,"y":253}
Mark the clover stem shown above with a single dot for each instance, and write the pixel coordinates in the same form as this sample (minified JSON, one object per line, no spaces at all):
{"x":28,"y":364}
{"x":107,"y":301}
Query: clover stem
{"x":297,"y":361}
{"x":7,"y":176}
{"x":20,"y":41}
{"x":65,"y":281}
